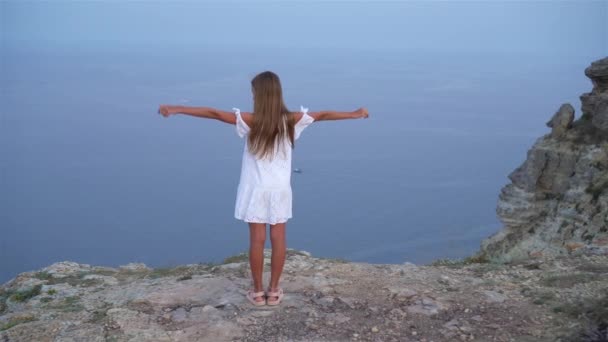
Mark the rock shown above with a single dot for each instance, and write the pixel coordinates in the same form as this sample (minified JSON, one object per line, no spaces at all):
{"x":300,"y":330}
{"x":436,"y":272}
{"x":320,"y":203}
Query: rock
{"x":312,"y":326}
{"x":246,"y":320}
{"x":572,"y":246}
{"x":600,"y":117}
{"x":452,"y":324}
{"x":445,"y":280}
{"x":212,"y":306}
{"x":307,"y":254}
{"x":547,"y":169}
{"x":601,"y":241}
{"x":324,"y":301}
{"x":106,"y":279}
{"x":66,"y":268}
{"x":232,"y":266}
{"x":262,"y":313}
{"x":595,"y":103}
{"x":179,"y":315}
{"x":350,"y":302}
{"x":401,"y":293}
{"x":337,"y":317}
{"x":494,"y":297}
{"x":598,"y":73}
{"x":135,"y":266}
{"x":465,"y":329}
{"x":561,"y":120}
{"x":557,"y":201}
{"x":398,"y":313}
{"x":427,"y":306}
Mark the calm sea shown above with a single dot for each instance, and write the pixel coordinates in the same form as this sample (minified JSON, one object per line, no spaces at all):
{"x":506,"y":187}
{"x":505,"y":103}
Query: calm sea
{"x":91,"y":173}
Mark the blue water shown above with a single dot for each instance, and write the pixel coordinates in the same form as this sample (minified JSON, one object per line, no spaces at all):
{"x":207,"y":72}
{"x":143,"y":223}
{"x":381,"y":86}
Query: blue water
{"x":91,"y":173}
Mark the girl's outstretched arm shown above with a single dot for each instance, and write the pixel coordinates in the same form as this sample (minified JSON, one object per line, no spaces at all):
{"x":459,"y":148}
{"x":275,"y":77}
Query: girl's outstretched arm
{"x":334,"y":115}
{"x":201,"y":112}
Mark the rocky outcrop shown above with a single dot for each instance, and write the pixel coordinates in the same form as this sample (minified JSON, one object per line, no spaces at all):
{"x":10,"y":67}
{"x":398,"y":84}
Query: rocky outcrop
{"x":561,"y":121}
{"x":325,"y":300}
{"x":596,"y":102}
{"x":557,"y":202}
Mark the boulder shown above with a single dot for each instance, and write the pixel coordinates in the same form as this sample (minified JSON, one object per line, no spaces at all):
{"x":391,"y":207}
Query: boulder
{"x":561,"y":120}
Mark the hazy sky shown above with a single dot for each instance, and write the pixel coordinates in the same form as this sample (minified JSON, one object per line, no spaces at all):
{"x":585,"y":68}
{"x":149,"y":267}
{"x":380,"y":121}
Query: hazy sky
{"x":523,"y":26}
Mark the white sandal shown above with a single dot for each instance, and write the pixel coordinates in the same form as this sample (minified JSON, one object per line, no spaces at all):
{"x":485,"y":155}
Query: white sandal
{"x":252,"y":295}
{"x":279,"y":294}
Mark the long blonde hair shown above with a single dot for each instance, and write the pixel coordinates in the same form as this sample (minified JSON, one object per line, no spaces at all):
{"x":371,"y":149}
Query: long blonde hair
{"x":272,"y":121}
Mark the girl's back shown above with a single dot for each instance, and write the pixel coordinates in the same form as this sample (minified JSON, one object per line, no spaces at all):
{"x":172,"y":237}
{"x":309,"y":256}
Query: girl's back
{"x":264,"y":192}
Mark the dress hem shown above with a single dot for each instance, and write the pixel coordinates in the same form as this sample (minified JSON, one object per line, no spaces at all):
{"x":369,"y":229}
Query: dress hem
{"x":272,"y":222}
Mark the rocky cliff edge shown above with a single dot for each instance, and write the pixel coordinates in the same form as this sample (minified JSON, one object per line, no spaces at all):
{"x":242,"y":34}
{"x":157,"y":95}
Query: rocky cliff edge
{"x":326,"y":300}
{"x":557,"y":201}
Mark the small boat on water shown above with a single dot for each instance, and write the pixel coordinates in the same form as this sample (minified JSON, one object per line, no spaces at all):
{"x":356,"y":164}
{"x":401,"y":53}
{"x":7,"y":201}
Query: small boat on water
{"x":296,"y":170}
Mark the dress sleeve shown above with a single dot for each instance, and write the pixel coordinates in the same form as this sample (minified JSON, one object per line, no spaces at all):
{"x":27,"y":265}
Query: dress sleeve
{"x":304,"y":121}
{"x":241,"y":127}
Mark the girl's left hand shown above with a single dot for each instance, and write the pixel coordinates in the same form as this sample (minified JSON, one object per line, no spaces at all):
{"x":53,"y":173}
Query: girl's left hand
{"x":165,"y":110}
{"x":362,"y":113}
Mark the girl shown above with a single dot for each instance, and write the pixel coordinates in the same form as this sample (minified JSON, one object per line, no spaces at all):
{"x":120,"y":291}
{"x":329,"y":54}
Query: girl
{"x":264,"y":193}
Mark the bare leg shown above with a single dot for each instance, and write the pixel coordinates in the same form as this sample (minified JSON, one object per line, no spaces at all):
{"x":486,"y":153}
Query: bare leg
{"x":257,"y":238}
{"x":277,"y":260}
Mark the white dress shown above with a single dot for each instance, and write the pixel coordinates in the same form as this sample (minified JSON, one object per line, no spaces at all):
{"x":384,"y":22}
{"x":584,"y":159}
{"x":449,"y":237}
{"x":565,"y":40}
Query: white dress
{"x":264,"y":191}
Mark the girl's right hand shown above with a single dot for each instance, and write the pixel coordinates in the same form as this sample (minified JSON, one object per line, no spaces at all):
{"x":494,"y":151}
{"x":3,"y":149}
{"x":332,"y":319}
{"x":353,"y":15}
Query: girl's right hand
{"x":362,"y":113}
{"x":166,"y":110}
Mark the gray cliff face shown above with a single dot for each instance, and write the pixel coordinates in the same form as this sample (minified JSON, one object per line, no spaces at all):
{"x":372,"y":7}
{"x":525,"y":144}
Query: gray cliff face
{"x":557,"y":202}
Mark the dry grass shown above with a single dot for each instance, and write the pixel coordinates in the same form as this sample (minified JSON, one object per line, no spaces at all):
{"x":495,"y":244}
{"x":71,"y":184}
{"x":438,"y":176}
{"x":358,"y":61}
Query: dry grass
{"x":22,"y":296}
{"x":13,"y":321}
